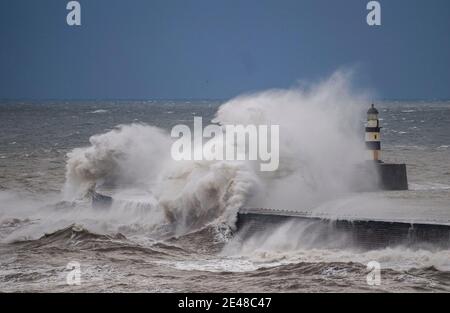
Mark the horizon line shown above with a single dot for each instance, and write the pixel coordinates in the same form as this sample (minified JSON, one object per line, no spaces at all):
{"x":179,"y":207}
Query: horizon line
{"x":188,"y":99}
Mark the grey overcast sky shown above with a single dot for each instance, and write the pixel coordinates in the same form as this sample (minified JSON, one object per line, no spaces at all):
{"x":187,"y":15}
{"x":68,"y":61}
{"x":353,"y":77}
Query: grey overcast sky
{"x":142,"y":49}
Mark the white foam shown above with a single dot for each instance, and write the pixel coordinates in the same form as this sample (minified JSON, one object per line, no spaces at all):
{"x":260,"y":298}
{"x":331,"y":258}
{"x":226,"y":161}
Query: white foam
{"x":320,"y":144}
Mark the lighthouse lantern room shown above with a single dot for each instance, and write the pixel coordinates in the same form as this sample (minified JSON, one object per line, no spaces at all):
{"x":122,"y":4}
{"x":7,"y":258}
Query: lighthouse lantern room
{"x":373,"y":142}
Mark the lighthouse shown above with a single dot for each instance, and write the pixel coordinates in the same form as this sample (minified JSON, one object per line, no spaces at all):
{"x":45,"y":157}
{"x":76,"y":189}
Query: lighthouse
{"x":373,"y":143}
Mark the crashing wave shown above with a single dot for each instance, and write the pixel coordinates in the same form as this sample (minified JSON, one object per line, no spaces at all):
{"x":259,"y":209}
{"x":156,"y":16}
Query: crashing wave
{"x":319,"y":146}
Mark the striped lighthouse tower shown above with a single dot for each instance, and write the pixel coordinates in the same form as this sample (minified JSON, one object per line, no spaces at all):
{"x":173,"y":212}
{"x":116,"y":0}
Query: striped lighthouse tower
{"x":373,"y":143}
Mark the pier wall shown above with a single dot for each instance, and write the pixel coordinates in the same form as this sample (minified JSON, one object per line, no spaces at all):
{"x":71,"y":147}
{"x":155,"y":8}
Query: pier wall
{"x":366,"y":234}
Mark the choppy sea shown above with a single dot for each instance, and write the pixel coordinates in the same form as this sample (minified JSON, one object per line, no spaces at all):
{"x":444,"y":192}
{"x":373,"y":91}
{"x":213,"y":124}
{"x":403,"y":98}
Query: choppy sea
{"x":135,"y":247}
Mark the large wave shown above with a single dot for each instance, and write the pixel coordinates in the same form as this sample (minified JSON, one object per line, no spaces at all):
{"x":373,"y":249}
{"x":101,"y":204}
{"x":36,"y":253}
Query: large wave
{"x":320,"y":144}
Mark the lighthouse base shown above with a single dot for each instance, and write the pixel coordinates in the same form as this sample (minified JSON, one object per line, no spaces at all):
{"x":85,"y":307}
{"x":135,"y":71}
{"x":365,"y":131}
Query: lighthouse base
{"x":392,"y":176}
{"x":376,"y":175}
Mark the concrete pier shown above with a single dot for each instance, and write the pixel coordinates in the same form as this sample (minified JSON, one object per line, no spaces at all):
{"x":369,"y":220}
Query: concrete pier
{"x":326,"y":232}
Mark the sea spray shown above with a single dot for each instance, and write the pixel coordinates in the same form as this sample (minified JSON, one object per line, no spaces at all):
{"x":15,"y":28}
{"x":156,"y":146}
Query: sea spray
{"x":320,"y":140}
{"x":129,"y":154}
{"x":320,"y":144}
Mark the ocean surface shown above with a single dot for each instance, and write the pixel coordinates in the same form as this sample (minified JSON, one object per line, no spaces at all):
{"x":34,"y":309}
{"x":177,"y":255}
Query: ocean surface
{"x":171,"y":229}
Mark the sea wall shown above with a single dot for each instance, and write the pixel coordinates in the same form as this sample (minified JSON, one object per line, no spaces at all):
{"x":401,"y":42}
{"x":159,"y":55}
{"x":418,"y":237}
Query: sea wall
{"x":366,"y":234}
